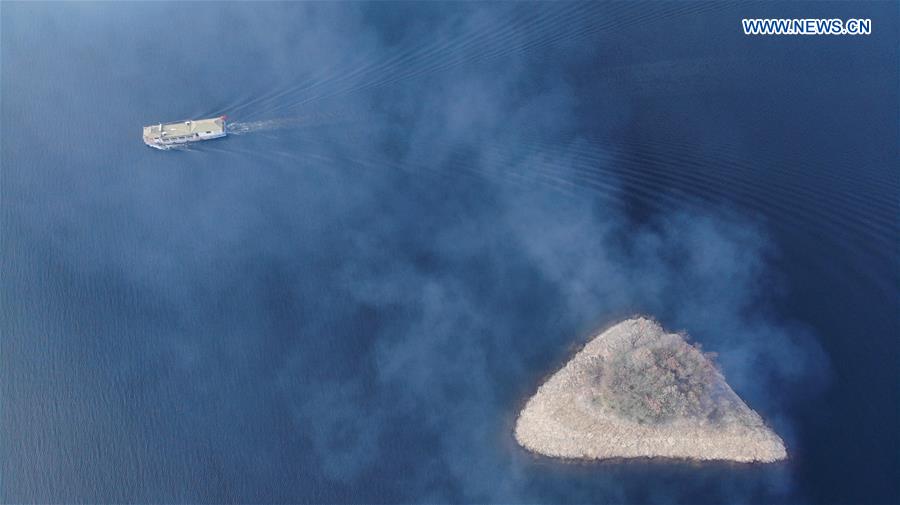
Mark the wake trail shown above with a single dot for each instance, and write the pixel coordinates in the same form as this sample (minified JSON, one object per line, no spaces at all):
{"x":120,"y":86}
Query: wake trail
{"x":245,"y":127}
{"x":284,"y":123}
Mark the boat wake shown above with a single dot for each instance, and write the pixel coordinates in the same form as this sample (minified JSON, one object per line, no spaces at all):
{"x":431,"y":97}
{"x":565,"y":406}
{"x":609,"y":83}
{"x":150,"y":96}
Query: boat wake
{"x":244,"y":127}
{"x":307,"y":120}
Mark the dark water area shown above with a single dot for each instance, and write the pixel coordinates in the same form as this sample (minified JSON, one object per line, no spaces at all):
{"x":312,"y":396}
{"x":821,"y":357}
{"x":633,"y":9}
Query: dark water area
{"x":425,"y":208}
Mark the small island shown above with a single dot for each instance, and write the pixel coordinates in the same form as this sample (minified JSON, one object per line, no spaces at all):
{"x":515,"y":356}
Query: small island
{"x":637,"y":391}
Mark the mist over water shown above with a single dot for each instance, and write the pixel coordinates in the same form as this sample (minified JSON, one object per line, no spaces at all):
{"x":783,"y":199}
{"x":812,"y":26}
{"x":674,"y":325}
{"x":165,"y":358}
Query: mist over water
{"x":421,"y":211}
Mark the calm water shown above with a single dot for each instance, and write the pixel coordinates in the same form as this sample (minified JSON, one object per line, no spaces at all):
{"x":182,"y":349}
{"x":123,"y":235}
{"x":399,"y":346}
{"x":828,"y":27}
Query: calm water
{"x":428,"y":207}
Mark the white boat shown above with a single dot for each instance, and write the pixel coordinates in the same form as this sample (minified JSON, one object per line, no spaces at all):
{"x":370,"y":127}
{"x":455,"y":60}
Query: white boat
{"x":167,"y":135}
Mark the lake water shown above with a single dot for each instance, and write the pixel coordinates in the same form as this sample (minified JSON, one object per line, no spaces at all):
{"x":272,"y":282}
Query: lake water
{"x":429,"y":206}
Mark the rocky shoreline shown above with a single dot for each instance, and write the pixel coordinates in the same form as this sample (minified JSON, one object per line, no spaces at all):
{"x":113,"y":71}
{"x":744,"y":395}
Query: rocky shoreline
{"x":637,"y":391}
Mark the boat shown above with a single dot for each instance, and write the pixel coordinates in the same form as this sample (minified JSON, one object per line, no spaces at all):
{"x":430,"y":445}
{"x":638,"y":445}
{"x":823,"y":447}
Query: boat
{"x":168,"y":135}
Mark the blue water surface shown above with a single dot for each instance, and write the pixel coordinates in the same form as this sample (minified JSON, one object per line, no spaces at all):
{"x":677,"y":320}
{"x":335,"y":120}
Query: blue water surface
{"x":424,"y":209}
